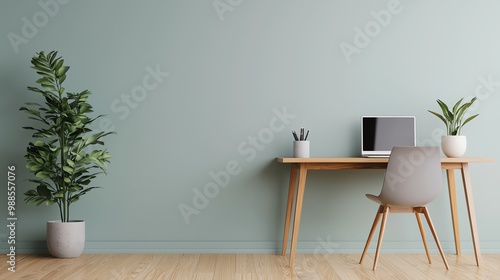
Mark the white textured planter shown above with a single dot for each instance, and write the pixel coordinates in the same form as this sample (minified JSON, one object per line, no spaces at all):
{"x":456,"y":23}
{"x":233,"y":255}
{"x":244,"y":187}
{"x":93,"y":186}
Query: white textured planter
{"x":454,"y":145}
{"x":66,"y":240}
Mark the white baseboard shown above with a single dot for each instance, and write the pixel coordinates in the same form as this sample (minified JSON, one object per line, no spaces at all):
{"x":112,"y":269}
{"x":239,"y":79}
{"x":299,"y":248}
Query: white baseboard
{"x":249,"y":247}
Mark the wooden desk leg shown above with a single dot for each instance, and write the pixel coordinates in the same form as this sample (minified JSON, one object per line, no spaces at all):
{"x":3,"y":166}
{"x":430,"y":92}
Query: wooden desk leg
{"x":298,"y":211}
{"x":470,"y":209}
{"x":289,"y":206}
{"x":453,"y":205}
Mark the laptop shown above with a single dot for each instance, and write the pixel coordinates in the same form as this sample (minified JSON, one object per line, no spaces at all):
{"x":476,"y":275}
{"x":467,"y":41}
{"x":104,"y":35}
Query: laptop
{"x":379,"y":134}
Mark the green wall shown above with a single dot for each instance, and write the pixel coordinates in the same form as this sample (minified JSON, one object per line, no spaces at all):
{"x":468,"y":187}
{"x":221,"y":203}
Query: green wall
{"x":204,"y":94}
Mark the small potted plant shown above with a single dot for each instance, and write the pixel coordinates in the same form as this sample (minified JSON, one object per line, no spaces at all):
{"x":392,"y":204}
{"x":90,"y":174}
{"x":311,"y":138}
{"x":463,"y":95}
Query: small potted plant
{"x":454,"y":144}
{"x":62,"y":156}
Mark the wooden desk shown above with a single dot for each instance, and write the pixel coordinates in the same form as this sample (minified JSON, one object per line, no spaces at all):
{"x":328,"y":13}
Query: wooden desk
{"x":298,"y":174}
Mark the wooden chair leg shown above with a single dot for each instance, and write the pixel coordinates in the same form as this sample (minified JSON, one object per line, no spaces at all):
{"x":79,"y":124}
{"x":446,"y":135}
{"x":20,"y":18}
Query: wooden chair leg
{"x":372,"y":230}
{"x":431,"y":226}
{"x":381,"y":236}
{"x":422,"y":233}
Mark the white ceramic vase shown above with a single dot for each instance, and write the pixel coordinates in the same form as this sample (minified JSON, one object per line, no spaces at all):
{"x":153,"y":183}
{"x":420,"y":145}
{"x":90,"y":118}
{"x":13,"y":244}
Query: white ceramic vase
{"x":454,"y":145}
{"x":66,"y":240}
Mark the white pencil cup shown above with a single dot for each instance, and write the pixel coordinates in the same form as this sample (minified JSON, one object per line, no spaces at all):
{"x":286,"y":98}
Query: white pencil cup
{"x":301,"y":149}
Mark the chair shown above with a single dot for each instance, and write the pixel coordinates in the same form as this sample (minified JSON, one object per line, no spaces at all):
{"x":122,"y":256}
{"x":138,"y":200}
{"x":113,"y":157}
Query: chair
{"x":412,"y":180}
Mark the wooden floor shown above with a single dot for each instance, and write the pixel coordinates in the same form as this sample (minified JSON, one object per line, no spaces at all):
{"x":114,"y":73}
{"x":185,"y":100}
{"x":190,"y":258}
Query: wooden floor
{"x":249,"y":266}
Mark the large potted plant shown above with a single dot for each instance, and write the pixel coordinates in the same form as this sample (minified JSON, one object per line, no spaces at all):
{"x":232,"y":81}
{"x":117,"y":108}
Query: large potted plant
{"x":454,"y":144}
{"x":63,"y":155}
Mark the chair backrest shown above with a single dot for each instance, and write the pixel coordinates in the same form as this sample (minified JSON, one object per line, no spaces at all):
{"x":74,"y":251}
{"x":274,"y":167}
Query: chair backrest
{"x":413,"y":177}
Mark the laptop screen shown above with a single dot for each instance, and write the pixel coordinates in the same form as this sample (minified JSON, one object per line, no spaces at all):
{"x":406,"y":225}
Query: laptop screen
{"x":379,"y":134}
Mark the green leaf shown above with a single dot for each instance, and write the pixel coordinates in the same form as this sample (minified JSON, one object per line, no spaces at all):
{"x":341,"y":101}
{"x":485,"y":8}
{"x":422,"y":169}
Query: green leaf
{"x":62,"y":71}
{"x":35,"y":168}
{"x":455,"y":107}
{"x":49,"y":202}
{"x":77,"y":196}
{"x":44,"y":191}
{"x":42,"y":175}
{"x":48,"y":86}
{"x":470,"y":119}
{"x":75,"y":189}
{"x":58,"y":65}
{"x":62,"y":78}
{"x":31,"y":193}
{"x":446,"y":112}
{"x":39,"y":143}
{"x":45,"y":80}
{"x":51,"y":56}
{"x":41,"y":66}
{"x":33,"y":104}
{"x":68,"y":169}
{"x":59,"y":194}
{"x":93,"y":138}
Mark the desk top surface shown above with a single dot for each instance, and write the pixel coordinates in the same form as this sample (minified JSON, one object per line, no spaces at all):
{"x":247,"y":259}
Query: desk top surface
{"x":375,"y":160}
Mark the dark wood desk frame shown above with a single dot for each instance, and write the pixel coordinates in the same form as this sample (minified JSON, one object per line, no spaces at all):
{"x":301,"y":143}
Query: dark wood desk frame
{"x":298,"y":174}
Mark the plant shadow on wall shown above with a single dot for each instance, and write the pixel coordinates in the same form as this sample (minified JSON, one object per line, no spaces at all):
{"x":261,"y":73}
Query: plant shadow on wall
{"x":63,"y":157}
